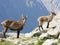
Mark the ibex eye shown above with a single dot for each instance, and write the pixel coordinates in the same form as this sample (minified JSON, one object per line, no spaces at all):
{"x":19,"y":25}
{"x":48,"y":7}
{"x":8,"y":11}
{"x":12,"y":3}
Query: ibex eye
{"x":23,"y":19}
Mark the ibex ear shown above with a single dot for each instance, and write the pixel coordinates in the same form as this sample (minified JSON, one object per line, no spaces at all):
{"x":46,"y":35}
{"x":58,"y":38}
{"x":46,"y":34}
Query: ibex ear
{"x":53,"y":13}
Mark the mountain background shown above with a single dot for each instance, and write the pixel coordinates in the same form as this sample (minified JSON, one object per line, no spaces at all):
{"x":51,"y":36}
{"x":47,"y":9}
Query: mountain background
{"x":13,"y":9}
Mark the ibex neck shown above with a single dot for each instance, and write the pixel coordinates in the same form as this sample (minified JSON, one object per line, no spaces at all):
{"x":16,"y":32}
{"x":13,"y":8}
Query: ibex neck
{"x":51,"y":16}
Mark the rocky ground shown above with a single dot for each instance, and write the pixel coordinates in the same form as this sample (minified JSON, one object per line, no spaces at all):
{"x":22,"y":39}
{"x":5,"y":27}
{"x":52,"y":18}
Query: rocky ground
{"x":48,"y":36}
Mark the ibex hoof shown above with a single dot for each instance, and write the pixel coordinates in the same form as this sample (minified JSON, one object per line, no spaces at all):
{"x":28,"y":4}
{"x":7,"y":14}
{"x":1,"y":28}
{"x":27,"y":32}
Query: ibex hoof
{"x":47,"y":27}
{"x":4,"y":37}
{"x":17,"y":37}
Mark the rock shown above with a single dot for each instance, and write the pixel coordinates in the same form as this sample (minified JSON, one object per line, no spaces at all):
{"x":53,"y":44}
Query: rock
{"x":28,"y":35}
{"x":8,"y":39}
{"x":36,"y":34}
{"x":33,"y":41}
{"x":44,"y":35}
{"x":10,"y":34}
{"x":55,"y":21}
{"x":59,"y":37}
{"x":51,"y":42}
{"x":1,"y":39}
{"x":20,"y":44}
{"x":16,"y":41}
{"x":33,"y":33}
{"x":36,"y":30}
{"x":54,"y":32}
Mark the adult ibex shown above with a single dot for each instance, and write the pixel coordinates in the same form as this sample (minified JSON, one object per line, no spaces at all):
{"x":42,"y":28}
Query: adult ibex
{"x":14,"y":25}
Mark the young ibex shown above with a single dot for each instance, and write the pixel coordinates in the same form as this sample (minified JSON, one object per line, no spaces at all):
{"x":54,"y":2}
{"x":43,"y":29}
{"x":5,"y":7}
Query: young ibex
{"x":45,"y":19}
{"x":14,"y":25}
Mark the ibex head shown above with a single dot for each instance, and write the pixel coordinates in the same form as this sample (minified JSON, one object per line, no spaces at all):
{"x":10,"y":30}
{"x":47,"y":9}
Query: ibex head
{"x":24,"y":17}
{"x":53,"y":13}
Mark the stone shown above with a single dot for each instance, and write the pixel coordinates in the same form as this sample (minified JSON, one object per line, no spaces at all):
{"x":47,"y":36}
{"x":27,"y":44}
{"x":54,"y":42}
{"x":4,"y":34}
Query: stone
{"x":51,"y":42}
{"x":44,"y":35}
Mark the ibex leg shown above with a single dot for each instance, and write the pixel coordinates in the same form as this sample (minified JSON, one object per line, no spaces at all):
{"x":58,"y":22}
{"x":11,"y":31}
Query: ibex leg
{"x":48,"y":25}
{"x":40,"y":26}
{"x":18,"y":33}
{"x":4,"y":31}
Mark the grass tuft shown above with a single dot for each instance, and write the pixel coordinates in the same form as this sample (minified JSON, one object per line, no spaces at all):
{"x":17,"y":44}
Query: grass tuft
{"x":6,"y":43}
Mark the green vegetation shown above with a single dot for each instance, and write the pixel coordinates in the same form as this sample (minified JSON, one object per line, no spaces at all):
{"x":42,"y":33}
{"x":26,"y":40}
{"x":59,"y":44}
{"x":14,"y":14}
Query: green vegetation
{"x":13,"y":38}
{"x":26,"y":39}
{"x":4,"y":42}
{"x":58,"y":40}
{"x":40,"y":41}
{"x":31,"y":44}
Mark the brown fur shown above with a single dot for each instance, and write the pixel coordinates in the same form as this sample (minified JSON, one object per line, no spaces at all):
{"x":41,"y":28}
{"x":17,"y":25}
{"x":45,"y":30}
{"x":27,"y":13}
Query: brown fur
{"x":14,"y":25}
{"x":45,"y":19}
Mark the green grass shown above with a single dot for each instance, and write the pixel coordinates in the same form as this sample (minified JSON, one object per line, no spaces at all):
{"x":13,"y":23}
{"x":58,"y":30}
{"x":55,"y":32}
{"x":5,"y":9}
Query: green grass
{"x":58,"y":40}
{"x":26,"y":39}
{"x":40,"y":41}
{"x":6,"y":43}
{"x":31,"y":44}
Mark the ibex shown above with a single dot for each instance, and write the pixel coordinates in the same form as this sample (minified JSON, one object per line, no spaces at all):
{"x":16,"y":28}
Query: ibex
{"x":47,"y":19}
{"x":14,"y":25}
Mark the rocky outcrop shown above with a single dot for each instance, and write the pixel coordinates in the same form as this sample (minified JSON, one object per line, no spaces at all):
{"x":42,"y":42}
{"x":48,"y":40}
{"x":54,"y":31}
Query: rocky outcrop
{"x":51,"y":42}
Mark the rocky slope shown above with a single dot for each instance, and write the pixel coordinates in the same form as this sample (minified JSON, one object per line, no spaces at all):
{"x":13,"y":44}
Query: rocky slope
{"x":48,"y":36}
{"x":52,"y":5}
